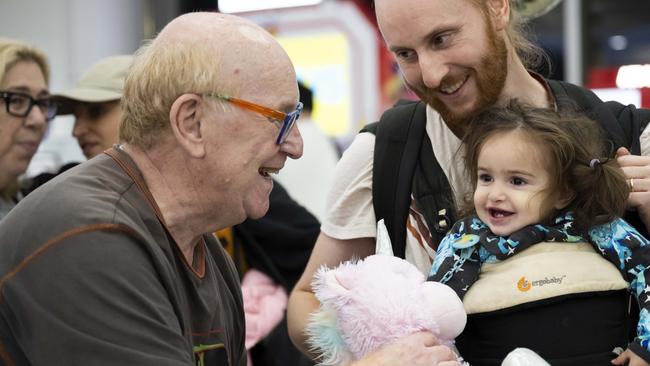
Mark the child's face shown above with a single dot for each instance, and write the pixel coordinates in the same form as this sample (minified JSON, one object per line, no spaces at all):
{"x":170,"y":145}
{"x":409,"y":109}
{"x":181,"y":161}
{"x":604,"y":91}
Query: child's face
{"x":511,"y":178}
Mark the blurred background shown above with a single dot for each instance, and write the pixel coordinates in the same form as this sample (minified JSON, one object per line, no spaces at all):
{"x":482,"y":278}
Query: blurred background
{"x":335,"y":45}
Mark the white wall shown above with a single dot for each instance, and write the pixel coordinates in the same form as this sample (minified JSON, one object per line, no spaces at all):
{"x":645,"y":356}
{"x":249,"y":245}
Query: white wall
{"x":74,"y":34}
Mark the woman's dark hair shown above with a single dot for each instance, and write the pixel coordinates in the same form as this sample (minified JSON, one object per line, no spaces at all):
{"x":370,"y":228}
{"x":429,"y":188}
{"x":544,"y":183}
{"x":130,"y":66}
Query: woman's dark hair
{"x":576,"y":155}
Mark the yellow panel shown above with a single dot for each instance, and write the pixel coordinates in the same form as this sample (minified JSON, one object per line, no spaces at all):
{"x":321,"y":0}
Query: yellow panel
{"x":322,"y":62}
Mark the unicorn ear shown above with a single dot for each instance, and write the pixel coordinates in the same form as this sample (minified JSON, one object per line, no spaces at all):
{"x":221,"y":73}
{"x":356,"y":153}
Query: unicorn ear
{"x":383,"y":245}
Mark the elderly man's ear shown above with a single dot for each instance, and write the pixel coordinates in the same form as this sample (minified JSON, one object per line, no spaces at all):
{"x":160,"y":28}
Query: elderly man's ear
{"x":185,"y":120}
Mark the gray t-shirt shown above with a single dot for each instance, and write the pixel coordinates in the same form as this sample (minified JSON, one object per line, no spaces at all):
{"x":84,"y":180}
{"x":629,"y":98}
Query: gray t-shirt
{"x":90,"y":275}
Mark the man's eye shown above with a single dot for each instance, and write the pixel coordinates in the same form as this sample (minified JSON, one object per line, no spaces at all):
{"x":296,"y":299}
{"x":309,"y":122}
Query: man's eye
{"x":404,"y":55}
{"x":441,"y":39}
{"x":276,"y":122}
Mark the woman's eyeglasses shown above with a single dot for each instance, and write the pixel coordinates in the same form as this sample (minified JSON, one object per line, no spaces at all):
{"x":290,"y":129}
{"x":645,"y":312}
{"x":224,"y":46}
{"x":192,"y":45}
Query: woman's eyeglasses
{"x":20,"y":104}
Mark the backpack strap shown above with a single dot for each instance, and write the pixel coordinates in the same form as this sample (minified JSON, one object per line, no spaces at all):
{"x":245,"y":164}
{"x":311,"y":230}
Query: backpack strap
{"x":433,"y":194}
{"x":404,"y":163}
{"x":399,"y":134}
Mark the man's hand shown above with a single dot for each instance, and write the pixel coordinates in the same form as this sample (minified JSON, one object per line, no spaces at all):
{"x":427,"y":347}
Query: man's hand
{"x":418,"y":349}
{"x":637,"y":171}
{"x":629,"y":358}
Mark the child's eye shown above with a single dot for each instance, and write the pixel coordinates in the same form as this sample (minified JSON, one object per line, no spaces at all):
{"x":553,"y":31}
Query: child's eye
{"x":486,"y":178}
{"x":518,"y":181}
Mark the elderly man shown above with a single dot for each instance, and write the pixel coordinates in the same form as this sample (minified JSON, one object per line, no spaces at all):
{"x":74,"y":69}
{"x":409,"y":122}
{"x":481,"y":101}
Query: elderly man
{"x":460,"y":57}
{"x":109,"y":262}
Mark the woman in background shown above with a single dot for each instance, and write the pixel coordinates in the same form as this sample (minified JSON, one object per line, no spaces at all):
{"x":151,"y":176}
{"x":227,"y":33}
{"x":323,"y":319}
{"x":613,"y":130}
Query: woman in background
{"x":24,"y":75}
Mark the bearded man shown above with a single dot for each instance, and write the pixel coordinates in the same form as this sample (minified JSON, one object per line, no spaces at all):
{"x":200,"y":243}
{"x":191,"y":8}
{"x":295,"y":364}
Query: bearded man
{"x":459,"y":57}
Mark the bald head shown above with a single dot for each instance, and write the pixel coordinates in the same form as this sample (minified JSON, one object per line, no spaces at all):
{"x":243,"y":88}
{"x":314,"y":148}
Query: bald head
{"x":239,"y":45}
{"x":214,"y":29}
{"x":198,"y":53}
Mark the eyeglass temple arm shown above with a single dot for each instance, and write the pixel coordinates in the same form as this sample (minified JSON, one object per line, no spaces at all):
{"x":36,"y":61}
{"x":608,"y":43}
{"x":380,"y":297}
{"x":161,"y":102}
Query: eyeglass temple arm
{"x":258,"y":108}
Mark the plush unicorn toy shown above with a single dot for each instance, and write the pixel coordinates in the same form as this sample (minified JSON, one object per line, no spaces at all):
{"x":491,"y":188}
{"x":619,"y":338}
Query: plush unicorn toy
{"x":368,"y":303}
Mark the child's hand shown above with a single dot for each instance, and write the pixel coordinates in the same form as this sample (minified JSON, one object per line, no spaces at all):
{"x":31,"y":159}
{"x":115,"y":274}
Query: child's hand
{"x":631,"y":358}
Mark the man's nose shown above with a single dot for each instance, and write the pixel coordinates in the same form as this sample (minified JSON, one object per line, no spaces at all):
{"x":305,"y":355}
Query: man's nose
{"x":433,"y":69}
{"x":293,"y":144}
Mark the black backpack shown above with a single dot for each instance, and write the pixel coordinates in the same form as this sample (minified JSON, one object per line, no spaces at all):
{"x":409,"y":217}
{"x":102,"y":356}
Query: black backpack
{"x":408,"y":164}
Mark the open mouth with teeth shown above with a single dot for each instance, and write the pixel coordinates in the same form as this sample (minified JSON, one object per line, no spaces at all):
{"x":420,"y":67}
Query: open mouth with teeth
{"x":452,"y":88}
{"x":267,"y":172}
{"x":499,"y":214}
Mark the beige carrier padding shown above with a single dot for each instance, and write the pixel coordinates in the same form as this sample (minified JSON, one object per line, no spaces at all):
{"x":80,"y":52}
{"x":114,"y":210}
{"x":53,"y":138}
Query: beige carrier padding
{"x":543,"y":271}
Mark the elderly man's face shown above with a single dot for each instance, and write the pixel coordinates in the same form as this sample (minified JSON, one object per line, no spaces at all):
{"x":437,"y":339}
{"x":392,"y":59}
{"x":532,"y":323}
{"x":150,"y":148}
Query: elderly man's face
{"x":449,"y":54}
{"x":245,"y":153}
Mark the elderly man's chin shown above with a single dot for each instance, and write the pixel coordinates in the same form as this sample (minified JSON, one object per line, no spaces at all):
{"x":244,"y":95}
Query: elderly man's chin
{"x":257,"y":202}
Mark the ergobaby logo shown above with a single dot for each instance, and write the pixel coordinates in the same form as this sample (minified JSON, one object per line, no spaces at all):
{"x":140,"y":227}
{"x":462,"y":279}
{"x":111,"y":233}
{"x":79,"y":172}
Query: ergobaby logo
{"x":524,"y":284}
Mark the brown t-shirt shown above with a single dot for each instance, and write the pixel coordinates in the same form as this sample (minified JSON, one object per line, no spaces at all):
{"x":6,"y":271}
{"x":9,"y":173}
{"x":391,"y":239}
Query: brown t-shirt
{"x":90,"y":275}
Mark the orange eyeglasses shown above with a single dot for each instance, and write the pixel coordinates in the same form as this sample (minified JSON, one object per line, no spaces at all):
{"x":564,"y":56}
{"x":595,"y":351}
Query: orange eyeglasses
{"x":285,"y":121}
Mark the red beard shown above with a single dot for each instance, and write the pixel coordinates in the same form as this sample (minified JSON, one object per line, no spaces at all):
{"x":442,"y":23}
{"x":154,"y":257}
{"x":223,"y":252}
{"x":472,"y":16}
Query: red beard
{"x":490,"y":78}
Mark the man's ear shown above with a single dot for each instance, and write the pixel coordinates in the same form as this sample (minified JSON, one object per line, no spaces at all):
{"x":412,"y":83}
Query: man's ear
{"x":185,"y":120}
{"x":500,"y":13}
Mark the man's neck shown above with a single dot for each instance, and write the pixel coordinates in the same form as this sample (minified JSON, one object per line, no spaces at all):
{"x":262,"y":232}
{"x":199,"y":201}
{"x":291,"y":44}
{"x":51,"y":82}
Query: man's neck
{"x":525,"y":87}
{"x":162,"y":172}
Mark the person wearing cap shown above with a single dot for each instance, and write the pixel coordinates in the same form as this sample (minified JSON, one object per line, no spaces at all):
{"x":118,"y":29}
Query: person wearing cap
{"x":25,"y":109}
{"x":95,"y":103}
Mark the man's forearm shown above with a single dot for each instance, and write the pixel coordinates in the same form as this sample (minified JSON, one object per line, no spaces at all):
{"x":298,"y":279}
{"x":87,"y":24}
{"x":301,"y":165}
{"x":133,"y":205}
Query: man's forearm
{"x":301,"y":305}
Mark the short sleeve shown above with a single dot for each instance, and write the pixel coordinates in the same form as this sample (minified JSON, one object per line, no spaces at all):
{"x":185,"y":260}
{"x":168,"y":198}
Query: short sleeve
{"x":349,"y":209}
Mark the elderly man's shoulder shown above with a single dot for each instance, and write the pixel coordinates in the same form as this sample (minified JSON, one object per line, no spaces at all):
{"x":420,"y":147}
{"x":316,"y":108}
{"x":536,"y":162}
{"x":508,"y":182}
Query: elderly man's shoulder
{"x":97,"y":191}
{"x":96,"y":199}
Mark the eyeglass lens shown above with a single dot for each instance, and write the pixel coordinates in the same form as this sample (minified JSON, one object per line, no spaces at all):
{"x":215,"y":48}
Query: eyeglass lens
{"x":289,"y":121}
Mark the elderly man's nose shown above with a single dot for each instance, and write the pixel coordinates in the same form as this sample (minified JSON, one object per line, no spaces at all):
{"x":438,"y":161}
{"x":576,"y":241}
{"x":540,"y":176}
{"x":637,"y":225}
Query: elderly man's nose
{"x":293,"y":145}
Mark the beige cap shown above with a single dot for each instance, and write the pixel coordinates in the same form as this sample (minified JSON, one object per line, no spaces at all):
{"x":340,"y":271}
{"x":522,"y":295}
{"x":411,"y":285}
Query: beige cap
{"x":103,"y":82}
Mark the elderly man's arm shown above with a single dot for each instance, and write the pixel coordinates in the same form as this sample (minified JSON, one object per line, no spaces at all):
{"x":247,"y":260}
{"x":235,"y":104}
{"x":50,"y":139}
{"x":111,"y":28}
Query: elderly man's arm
{"x":302,"y":302}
